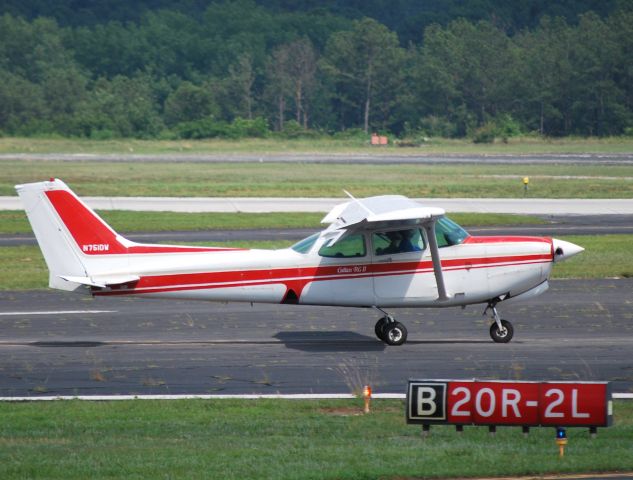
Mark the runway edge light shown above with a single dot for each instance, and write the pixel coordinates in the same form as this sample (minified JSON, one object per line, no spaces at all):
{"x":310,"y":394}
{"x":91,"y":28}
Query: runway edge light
{"x":561,"y":441}
{"x":366,"y":397}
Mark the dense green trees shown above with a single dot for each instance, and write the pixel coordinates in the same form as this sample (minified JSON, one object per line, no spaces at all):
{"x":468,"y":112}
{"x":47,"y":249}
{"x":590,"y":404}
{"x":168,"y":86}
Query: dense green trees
{"x":234,"y":68}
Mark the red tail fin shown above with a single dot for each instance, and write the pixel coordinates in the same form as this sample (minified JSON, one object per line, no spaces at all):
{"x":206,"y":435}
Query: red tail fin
{"x":90,"y":232}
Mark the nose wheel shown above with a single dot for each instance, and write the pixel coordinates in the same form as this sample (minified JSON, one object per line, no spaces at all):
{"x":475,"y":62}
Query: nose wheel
{"x":390,"y":331}
{"x":501,"y":331}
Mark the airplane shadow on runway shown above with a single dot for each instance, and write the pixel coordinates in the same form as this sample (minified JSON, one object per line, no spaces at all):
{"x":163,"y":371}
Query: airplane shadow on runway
{"x":66,"y":344}
{"x":351,"y":341}
{"x":315,"y":341}
{"x":339,"y":341}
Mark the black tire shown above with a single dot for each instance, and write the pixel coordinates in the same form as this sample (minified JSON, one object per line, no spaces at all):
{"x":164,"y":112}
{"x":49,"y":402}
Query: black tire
{"x":501,"y":337}
{"x":380,"y":327}
{"x":395,"y":334}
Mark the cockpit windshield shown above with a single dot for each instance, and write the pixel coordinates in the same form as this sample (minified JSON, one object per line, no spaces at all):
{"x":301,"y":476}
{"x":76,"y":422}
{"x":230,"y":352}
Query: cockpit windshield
{"x":305,"y":245}
{"x":447,"y":233}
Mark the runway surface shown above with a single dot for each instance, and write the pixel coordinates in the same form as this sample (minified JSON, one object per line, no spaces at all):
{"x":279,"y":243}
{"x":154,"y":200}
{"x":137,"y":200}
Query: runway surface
{"x":579,"y":330}
{"x":373,"y":157}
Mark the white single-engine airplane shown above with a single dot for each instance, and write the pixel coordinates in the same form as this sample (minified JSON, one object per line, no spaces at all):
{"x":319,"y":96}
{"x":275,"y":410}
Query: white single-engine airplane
{"x":381,"y":252}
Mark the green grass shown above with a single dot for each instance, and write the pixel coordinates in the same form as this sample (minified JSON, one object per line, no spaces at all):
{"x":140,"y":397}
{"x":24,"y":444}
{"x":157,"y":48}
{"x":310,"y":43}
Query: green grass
{"x":15,"y":221}
{"x":320,"y":180}
{"x":521,"y":145}
{"x":284,"y":439}
{"x":605,"y":256}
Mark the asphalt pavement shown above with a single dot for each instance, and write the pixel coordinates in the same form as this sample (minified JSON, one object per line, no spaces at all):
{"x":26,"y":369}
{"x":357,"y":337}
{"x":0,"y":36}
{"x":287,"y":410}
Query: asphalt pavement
{"x":375,"y":156}
{"x":55,"y":343}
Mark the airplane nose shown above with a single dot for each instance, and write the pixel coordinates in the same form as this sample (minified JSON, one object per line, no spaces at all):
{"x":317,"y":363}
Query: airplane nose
{"x":564,"y":250}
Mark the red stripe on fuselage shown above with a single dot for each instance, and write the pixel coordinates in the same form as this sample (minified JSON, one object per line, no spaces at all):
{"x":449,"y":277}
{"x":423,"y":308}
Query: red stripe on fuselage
{"x":297,"y":278}
{"x":506,"y":239}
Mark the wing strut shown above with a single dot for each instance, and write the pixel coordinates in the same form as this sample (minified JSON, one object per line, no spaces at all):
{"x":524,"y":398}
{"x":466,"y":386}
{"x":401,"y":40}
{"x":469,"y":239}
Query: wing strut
{"x":437,"y":263}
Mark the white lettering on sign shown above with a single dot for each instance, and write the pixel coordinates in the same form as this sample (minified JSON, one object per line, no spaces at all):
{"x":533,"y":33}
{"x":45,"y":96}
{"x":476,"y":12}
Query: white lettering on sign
{"x":456,"y":408}
{"x":513,"y":402}
{"x":549,"y":411}
{"x":426,"y":401}
{"x":491,"y":408}
{"x":574,"y":406}
{"x":96,"y":247}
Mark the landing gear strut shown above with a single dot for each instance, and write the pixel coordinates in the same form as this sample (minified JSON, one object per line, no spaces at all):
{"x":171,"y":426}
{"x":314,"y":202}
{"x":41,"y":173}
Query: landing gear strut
{"x":501,"y":331}
{"x":389,"y":330}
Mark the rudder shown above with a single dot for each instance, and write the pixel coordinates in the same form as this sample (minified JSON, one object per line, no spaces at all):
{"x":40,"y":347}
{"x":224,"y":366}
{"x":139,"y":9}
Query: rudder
{"x":66,"y":228}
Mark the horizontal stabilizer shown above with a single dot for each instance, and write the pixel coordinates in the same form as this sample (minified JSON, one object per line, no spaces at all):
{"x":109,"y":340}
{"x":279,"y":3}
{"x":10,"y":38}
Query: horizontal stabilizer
{"x":102,"y":282}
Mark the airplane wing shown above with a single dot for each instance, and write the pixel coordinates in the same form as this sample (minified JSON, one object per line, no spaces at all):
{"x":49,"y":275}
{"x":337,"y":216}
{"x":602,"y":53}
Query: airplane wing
{"x":390,"y":210}
{"x":387,"y":211}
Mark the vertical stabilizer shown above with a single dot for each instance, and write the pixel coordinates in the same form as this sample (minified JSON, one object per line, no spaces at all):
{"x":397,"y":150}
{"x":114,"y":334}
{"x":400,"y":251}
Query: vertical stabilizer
{"x":58,"y":249}
{"x":78,"y":246}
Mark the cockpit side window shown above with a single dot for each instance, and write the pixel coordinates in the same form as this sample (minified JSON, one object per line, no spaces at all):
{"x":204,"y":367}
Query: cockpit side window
{"x":449,"y":233}
{"x":398,"y":241}
{"x":350,"y":246}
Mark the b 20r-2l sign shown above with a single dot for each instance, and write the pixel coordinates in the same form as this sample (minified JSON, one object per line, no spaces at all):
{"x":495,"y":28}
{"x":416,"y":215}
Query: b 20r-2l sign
{"x":464,"y":402}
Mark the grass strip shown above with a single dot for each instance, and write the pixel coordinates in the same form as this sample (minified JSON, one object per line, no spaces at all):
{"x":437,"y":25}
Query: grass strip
{"x":15,"y":221}
{"x":281,"y":439}
{"x":516,"y":145}
{"x":605,"y":256}
{"x":182,"y":179}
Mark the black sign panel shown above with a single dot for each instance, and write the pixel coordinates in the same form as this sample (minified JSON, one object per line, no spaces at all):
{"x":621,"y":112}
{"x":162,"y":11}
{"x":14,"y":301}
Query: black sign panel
{"x":426,"y":402}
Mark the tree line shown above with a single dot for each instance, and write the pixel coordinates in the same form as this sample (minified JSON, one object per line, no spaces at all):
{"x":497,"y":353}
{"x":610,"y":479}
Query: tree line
{"x":240,"y":68}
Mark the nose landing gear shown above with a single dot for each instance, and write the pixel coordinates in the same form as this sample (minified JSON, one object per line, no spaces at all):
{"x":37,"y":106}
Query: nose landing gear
{"x":501,"y":331}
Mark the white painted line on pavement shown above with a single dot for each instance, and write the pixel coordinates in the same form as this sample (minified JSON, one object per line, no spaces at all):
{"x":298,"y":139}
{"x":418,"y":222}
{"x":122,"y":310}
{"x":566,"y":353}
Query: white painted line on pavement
{"x":293,"y":396}
{"x":54,"y":312}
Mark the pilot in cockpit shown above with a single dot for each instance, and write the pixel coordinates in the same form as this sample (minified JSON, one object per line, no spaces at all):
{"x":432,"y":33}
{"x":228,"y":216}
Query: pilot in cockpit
{"x":399,"y":242}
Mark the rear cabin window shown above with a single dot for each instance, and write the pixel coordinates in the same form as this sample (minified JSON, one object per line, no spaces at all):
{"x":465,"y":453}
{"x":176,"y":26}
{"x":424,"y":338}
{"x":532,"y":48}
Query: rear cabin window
{"x":351,"y":246}
{"x":398,"y":241}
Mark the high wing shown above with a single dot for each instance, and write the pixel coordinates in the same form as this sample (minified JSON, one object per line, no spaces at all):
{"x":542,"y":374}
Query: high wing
{"x":387,"y":211}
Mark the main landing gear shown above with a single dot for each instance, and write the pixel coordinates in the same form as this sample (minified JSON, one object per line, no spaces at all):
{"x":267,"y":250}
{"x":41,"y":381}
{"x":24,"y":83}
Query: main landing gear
{"x":389,"y":330}
{"x":501,"y":331}
{"x":392,"y":332}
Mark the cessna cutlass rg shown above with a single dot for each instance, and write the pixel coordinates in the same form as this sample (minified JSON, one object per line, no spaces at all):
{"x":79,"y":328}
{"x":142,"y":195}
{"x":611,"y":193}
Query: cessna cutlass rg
{"x":381,"y":252}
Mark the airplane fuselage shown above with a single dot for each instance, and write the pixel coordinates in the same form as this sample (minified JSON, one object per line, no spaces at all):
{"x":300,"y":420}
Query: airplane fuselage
{"x":476,"y":270}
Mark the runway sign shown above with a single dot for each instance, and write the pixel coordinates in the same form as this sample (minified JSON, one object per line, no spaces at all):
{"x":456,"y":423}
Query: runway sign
{"x":472,"y":402}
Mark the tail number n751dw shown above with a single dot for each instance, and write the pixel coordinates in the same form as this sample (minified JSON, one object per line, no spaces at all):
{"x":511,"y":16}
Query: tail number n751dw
{"x":96,"y":247}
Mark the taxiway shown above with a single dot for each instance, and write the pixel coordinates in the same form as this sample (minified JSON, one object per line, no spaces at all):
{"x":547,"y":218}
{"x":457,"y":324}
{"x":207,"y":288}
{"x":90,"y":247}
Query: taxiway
{"x":54,"y":343}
